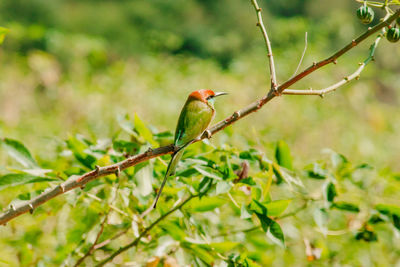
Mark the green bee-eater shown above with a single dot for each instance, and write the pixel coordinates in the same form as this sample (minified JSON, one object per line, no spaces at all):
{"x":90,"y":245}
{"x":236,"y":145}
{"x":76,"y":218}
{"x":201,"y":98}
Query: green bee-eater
{"x":195,"y":117}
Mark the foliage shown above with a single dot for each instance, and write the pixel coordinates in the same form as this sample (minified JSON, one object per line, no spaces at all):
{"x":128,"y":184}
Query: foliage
{"x":233,"y":215}
{"x":287,"y":208}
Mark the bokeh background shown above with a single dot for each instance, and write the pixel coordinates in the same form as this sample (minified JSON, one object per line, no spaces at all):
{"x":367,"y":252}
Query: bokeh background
{"x":75,"y":66}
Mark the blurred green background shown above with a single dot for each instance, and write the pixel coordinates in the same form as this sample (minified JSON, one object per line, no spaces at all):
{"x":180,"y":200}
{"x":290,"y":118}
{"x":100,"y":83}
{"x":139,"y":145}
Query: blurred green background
{"x":74,"y":66}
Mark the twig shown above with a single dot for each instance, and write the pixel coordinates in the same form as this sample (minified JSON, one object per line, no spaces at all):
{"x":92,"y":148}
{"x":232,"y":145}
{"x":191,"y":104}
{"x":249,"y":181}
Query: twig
{"x":347,"y":79}
{"x":145,"y":231}
{"x":71,"y":183}
{"x":92,"y":247}
{"x":334,"y":57}
{"x":260,"y":23}
{"x":106,"y":242}
{"x":302,"y":56}
{"x":304,"y":206}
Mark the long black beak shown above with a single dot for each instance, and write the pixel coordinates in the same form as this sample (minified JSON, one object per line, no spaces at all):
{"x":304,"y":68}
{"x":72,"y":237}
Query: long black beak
{"x":220,"y":93}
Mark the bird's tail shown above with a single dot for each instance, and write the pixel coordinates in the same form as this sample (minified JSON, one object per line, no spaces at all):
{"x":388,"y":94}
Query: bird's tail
{"x":170,"y":171}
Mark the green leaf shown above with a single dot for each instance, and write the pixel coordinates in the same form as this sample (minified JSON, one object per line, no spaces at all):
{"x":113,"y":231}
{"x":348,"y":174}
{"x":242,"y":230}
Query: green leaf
{"x":258,"y":207}
{"x":223,"y":187}
{"x":282,"y":155}
{"x":21,"y":178}
{"x":19,"y":152}
{"x":3,"y":32}
{"x":143,"y":131}
{"x":265,"y":221}
{"x":341,"y":205}
{"x":144,"y":177}
{"x":199,"y":252}
{"x":367,"y":235}
{"x":174,"y":230}
{"x":78,"y":148}
{"x":275,"y":233}
{"x":330,"y":191}
{"x":321,"y":219}
{"x":208,"y":172}
{"x":244,"y":213}
{"x":388,"y":209}
{"x":277,"y":207}
{"x":126,"y":125}
{"x":375,"y":218}
{"x":205,"y":204}
{"x":317,"y":172}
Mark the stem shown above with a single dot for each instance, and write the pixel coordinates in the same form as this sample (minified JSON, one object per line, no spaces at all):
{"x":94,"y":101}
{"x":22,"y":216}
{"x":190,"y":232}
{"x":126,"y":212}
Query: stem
{"x":264,"y":33}
{"x":145,"y":231}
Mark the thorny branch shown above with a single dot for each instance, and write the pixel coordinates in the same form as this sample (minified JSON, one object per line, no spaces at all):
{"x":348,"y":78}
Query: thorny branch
{"x":74,"y":182}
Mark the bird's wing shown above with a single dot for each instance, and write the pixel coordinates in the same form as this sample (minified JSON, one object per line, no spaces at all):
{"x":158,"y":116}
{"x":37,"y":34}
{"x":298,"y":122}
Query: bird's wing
{"x":194,"y":119}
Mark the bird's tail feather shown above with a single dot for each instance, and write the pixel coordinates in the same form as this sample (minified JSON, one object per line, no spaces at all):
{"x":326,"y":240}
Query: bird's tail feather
{"x":170,"y":171}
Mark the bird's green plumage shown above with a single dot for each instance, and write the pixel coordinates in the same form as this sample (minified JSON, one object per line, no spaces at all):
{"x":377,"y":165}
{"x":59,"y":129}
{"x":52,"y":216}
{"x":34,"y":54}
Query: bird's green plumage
{"x":194,"y":119}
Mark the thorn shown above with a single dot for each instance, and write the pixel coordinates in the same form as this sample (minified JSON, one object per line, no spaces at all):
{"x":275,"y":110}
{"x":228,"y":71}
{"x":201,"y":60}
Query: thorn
{"x":118,"y":171}
{"x":357,"y":77}
{"x":258,"y":24}
{"x":360,"y":63}
{"x":353,"y":43}
{"x":321,"y":95}
{"x":369,"y":28}
{"x":335,"y":62}
{"x":259,"y":9}
{"x":208,"y":134}
{"x":259,"y":104}
{"x":149,"y":150}
{"x":346,"y":78}
{"x":314,"y":63}
{"x":30,"y":208}
{"x":83,"y":186}
{"x":269,"y":54}
{"x":276,"y":92}
{"x":97,"y":168}
{"x":12,"y":207}
{"x":62,"y":188}
{"x":236,"y":114}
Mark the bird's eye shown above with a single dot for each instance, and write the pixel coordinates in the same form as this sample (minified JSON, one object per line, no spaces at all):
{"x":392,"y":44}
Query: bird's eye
{"x":210,"y":97}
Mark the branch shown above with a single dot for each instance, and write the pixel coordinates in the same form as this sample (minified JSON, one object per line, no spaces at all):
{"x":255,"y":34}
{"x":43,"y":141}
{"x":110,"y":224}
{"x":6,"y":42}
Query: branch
{"x":334,"y":57}
{"x":145,"y":231}
{"x":260,"y":23}
{"x":347,"y":79}
{"x":92,"y":247}
{"x":29,"y":206}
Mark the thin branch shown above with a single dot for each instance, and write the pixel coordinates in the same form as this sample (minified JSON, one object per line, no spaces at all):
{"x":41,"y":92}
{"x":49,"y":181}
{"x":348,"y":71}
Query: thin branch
{"x":302,"y":56}
{"x":106,"y":242}
{"x":334,"y":57}
{"x":347,"y":79}
{"x":260,"y":23}
{"x":247,"y":230}
{"x":29,"y":206}
{"x":92,"y":247}
{"x":145,"y":231}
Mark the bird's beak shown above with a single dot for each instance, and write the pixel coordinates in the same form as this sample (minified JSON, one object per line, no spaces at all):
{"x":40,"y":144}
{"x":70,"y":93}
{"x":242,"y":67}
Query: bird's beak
{"x":219,"y":93}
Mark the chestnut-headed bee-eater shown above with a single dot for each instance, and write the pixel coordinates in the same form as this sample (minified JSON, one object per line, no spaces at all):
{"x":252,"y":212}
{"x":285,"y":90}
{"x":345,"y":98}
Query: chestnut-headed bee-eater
{"x":195,"y":117}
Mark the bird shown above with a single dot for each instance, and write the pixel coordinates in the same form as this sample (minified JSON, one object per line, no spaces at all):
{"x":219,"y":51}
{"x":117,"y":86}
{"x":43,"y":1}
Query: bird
{"x":194,"y":119}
